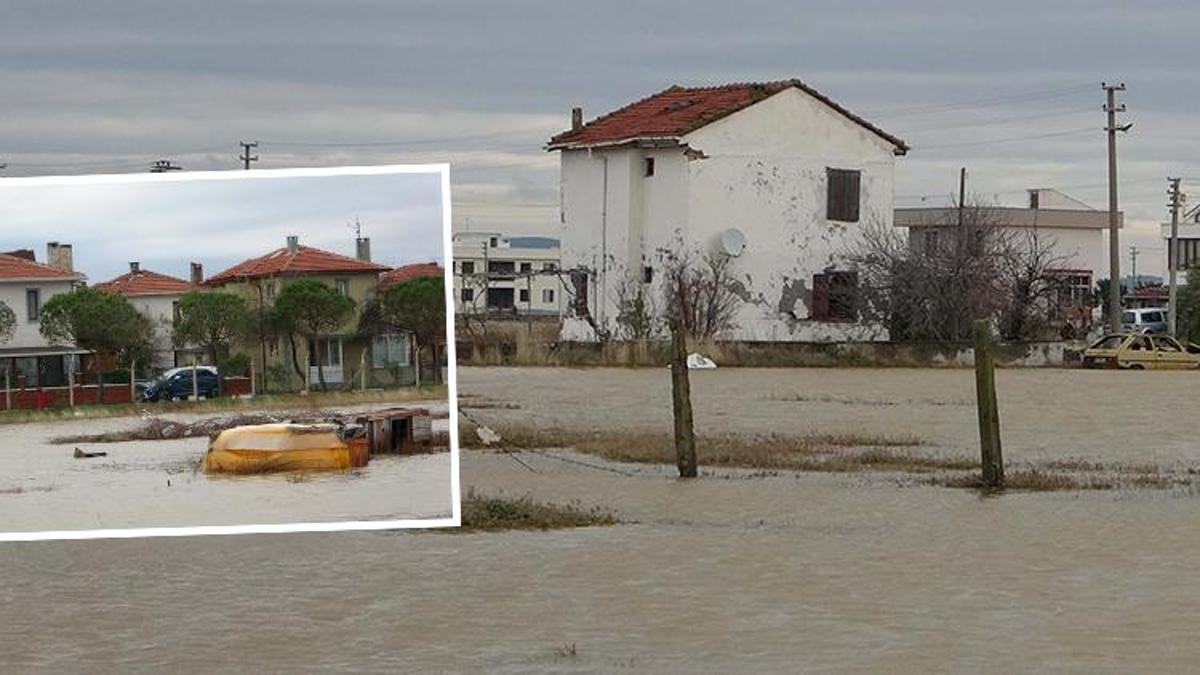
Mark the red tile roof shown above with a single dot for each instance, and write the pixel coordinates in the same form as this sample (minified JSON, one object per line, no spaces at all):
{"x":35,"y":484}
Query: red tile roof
{"x":408,"y":272}
{"x":145,"y":282}
{"x":677,"y":111}
{"x":304,"y":260}
{"x":17,"y":267}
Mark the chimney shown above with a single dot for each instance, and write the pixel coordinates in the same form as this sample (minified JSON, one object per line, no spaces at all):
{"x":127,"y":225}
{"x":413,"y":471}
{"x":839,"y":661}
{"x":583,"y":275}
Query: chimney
{"x":135,"y":267}
{"x":59,"y":255}
{"x":363,"y":250}
{"x":293,"y":243}
{"x":576,"y":119}
{"x":197,"y":273}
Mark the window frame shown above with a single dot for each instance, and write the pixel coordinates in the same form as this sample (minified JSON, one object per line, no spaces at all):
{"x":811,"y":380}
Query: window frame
{"x":33,"y":310}
{"x":843,"y":195}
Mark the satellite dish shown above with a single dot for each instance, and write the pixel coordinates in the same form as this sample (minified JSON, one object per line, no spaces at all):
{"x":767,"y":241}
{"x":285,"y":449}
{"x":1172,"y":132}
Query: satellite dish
{"x":731,"y":242}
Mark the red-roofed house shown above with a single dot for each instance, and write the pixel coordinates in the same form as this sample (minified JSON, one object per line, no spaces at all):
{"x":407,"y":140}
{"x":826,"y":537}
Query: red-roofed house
{"x":25,"y":286}
{"x":409,"y":272}
{"x":156,"y":296}
{"x":775,"y":176}
{"x":260,"y":280}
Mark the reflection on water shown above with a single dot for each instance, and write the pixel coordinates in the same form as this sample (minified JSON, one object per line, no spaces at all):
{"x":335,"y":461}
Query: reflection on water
{"x":160,"y":483}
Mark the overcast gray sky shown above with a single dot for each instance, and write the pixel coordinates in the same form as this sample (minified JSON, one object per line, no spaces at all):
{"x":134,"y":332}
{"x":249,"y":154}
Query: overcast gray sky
{"x":1009,"y":90}
{"x":167,"y":225}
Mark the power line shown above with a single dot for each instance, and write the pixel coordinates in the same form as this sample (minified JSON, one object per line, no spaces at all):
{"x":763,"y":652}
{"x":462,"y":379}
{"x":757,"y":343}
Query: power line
{"x":390,"y":143}
{"x":983,"y":102}
{"x":1027,"y":137}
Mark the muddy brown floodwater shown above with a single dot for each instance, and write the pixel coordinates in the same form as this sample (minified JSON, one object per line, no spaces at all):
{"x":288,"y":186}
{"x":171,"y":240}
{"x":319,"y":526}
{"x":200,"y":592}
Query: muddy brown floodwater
{"x":727,"y":573}
{"x":159,"y":484}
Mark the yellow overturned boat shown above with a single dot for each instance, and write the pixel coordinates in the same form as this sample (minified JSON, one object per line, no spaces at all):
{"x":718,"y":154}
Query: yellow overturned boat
{"x":287,"y":446}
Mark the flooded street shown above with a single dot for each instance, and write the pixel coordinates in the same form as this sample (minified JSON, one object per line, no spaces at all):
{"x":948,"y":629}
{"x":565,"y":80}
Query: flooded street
{"x":802,"y":572}
{"x":159,"y":484}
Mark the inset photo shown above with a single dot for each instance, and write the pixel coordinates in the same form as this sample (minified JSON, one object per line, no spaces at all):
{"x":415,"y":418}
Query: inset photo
{"x":226,"y":352}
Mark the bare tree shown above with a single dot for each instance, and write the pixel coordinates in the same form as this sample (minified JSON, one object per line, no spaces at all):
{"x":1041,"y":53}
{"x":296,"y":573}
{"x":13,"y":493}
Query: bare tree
{"x":637,"y":313}
{"x":934,"y":284}
{"x":698,"y":292}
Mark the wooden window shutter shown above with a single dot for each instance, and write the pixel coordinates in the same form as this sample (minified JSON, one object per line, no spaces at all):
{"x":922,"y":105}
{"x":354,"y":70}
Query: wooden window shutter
{"x":820,"y":298}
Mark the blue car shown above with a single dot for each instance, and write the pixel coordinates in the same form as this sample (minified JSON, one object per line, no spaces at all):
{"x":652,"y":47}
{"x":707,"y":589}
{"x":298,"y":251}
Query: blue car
{"x":177,"y":384}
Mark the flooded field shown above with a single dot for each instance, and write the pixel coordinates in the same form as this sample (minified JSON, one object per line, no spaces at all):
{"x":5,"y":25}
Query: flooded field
{"x":1099,"y":415}
{"x":159,"y":484}
{"x":798,"y":572}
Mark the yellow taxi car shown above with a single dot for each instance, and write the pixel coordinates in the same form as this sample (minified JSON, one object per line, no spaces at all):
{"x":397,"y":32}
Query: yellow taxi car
{"x":1138,"y":351}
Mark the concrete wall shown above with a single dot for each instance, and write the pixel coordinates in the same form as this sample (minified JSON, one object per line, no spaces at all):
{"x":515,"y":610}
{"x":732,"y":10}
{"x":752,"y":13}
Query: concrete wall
{"x":764,"y":173}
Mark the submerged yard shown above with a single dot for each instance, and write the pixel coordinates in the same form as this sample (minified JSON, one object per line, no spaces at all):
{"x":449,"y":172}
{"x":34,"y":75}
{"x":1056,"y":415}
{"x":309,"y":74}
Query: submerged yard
{"x":127,"y":472}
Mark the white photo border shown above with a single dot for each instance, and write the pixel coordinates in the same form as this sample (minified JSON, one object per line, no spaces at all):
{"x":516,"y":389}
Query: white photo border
{"x":451,"y":358}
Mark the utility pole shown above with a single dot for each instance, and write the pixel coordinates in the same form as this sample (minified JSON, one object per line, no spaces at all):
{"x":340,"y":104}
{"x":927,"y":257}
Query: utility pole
{"x":246,"y":157}
{"x":1173,"y":252}
{"x":1133,"y":254}
{"x":163,"y":166}
{"x":962,"y":196}
{"x":1114,"y":244}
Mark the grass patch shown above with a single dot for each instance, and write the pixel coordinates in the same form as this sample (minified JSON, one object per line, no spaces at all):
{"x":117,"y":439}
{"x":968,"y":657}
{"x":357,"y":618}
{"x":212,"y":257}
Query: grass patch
{"x":497,"y":514}
{"x":841,"y":452}
{"x":310,"y":401}
{"x":1039,"y":479}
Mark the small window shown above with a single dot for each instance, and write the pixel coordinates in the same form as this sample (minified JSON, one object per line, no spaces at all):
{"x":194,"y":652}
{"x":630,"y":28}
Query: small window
{"x":526,"y":267}
{"x":175,"y":310}
{"x":270,"y":290}
{"x":931,"y":241}
{"x":468,"y":267}
{"x":547,"y":295}
{"x":343,"y":286}
{"x":493,"y":242}
{"x":549,"y":267}
{"x":647,"y":274}
{"x":33,"y":303}
{"x":843,"y":195}
{"x":648,"y":166}
{"x":579,"y":283}
{"x":835,"y":296}
{"x":468,"y":295}
{"x":524,"y":295}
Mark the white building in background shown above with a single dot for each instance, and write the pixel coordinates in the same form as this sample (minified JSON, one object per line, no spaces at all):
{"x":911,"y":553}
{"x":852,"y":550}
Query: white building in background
{"x":25,"y":287}
{"x":156,"y":297}
{"x":1075,"y":230}
{"x":499,"y":274}
{"x":1064,"y":226}
{"x":1189,"y":243}
{"x":775,"y":175}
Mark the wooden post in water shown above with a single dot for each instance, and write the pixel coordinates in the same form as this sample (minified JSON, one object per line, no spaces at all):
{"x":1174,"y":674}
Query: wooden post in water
{"x":989,"y":413}
{"x":681,"y":400}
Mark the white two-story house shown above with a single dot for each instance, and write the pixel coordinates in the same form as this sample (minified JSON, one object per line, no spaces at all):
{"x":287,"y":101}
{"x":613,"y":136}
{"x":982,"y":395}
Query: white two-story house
{"x":25,"y":287}
{"x":156,"y":296}
{"x":776,"y":176}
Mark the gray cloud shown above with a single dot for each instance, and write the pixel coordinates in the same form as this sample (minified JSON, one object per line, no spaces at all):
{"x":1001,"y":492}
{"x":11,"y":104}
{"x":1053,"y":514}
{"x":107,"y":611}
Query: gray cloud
{"x":91,"y":87}
{"x":166,"y":225}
